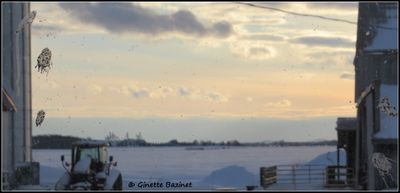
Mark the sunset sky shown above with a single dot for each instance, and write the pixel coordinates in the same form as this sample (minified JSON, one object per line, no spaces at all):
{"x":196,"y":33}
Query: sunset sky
{"x":198,"y":69}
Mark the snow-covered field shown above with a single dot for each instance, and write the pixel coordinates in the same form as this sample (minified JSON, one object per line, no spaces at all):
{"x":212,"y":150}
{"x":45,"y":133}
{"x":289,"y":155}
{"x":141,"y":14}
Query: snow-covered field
{"x":206,"y":169}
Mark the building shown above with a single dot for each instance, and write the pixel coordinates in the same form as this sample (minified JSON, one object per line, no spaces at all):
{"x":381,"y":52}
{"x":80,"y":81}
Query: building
{"x":346,"y":128}
{"x":376,"y":88}
{"x":16,"y":115}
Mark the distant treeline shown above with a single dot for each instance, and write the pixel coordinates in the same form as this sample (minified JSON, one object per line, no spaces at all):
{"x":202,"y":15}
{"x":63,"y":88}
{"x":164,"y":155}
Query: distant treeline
{"x":64,"y":142}
{"x":53,"y":141}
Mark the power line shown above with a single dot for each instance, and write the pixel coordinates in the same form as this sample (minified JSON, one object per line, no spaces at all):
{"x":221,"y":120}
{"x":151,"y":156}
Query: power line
{"x":311,"y":15}
{"x":299,"y":14}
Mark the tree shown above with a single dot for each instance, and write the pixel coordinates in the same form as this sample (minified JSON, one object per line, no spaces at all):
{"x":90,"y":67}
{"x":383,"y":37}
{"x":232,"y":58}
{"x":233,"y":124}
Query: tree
{"x":173,"y":142}
{"x":127,"y":136}
{"x":233,"y":143}
{"x":195,"y":142}
{"x":111,"y":138}
{"x":139,"y":136}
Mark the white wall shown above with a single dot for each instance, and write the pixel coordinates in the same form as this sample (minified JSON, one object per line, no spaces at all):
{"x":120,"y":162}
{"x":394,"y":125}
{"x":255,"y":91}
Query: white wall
{"x":15,"y":72}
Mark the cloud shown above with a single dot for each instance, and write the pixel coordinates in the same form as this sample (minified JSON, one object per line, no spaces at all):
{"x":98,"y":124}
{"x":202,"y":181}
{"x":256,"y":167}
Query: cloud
{"x":95,"y":89}
{"x":265,"y":37}
{"x":324,"y":41}
{"x":46,"y":28}
{"x":202,"y":95}
{"x":216,"y":97}
{"x":338,"y":6}
{"x":264,"y":21}
{"x":342,"y":57}
{"x":252,"y":50}
{"x":249,"y":99}
{"x":301,"y":113}
{"x":280,"y":5}
{"x":324,"y":53}
{"x":135,"y":91}
{"x":182,"y":91}
{"x":162,"y":92}
{"x":259,"y":51}
{"x":48,"y":85}
{"x":280,"y":104}
{"x":338,"y":60}
{"x":124,"y":90}
{"x":128,"y":18}
{"x":347,"y":75}
{"x":53,"y":84}
{"x":139,"y":93}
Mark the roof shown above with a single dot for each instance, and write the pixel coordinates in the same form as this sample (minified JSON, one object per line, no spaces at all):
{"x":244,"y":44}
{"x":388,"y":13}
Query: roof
{"x":8,"y":102}
{"x":90,"y":143}
{"x":346,"y":124}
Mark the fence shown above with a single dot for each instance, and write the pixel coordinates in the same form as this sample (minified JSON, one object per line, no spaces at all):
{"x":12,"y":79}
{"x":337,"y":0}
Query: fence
{"x":268,"y":176}
{"x":328,"y":176}
{"x":339,"y":176}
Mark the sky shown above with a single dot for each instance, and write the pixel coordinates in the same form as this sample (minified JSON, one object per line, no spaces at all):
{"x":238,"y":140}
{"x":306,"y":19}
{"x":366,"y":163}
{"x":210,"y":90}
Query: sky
{"x":209,"y":71}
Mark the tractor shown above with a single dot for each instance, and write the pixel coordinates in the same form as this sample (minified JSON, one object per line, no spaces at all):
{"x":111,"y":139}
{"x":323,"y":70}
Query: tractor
{"x":89,"y":168}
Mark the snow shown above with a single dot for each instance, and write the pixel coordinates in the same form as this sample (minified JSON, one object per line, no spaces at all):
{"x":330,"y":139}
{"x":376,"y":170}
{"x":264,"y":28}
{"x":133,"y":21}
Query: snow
{"x":231,"y":176}
{"x":50,"y":175}
{"x":83,"y":166}
{"x":385,"y":38}
{"x":329,"y":158}
{"x":204,"y":168}
{"x":34,"y":187}
{"x":388,"y":124}
{"x":111,"y":179}
{"x":80,"y":185}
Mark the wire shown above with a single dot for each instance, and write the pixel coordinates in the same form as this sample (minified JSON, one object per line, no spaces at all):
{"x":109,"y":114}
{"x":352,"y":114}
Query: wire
{"x":299,"y":14}
{"x":311,"y":15}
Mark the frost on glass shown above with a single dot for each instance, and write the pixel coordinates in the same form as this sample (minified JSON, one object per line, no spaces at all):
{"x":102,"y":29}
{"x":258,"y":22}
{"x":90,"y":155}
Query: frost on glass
{"x":383,"y":165}
{"x":44,"y":61}
{"x":40,"y":117}
{"x":385,"y":106}
{"x":28,"y":19}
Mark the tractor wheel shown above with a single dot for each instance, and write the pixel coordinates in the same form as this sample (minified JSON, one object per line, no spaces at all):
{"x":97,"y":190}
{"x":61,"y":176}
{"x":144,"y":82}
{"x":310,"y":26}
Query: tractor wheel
{"x":118,"y":183}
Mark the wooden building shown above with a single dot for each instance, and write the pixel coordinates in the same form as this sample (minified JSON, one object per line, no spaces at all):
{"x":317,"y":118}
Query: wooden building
{"x":376,"y":88}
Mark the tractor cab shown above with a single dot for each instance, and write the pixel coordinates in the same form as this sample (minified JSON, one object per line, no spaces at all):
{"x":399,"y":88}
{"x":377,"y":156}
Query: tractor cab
{"x":96,"y":151}
{"x":89,"y":168}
